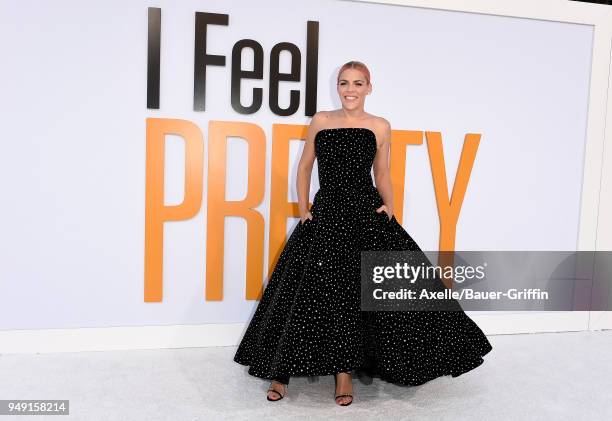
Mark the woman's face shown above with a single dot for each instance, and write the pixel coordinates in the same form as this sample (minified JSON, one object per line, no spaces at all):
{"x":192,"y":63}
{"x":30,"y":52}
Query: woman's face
{"x":352,"y":89}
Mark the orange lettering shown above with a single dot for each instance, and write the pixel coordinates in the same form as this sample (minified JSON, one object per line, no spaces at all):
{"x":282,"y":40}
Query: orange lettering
{"x":218,"y":208}
{"x":156,"y":212}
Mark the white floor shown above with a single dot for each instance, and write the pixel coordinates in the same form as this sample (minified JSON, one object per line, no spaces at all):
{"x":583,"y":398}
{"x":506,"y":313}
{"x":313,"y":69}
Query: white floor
{"x":551,"y":376}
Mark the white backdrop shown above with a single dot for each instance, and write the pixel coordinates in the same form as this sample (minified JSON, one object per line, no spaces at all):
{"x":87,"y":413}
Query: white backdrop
{"x":73,"y":109}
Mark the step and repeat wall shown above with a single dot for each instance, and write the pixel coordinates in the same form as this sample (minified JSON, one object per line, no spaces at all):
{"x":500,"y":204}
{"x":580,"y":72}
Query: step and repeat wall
{"x":149,"y":149}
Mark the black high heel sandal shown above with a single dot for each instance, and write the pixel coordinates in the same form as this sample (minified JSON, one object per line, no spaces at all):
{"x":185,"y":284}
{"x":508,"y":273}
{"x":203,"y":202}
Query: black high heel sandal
{"x":341,"y":395}
{"x":277,"y":392}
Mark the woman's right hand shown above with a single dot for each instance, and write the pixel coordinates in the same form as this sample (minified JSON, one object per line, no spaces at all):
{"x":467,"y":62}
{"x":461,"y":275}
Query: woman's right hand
{"x":305,"y":216}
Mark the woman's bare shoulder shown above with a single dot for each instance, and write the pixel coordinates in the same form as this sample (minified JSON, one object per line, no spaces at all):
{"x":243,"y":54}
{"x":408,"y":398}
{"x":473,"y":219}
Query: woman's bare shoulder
{"x":378,"y":121}
{"x":321,"y":118}
{"x":318,"y":122}
{"x":381,"y":128}
{"x":321,"y":115}
{"x":379,"y":125}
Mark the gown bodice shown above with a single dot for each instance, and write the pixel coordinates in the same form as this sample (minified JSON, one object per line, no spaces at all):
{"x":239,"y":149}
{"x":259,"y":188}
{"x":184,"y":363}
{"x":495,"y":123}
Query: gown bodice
{"x":344,"y":157}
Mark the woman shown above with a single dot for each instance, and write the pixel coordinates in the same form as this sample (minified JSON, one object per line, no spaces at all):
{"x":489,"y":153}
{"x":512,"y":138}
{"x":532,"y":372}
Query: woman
{"x":309,"y":320}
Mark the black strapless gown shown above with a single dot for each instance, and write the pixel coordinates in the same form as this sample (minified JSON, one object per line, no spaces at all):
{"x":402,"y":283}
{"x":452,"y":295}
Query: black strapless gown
{"x":308,"y":321}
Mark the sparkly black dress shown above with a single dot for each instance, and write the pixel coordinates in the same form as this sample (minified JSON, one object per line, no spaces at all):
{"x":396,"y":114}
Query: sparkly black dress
{"x":309,"y":322}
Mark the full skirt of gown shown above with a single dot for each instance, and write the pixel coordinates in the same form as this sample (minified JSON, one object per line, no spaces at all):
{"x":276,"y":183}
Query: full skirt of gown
{"x":309,"y":321}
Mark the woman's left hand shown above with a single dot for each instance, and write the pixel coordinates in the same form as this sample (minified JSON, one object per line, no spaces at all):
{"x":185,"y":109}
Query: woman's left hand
{"x":384,"y":208}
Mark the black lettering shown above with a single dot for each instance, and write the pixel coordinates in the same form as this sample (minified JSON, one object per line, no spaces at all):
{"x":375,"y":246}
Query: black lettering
{"x":312,"y":64}
{"x":238,"y":74}
{"x":201,"y":58}
{"x":153,"y":49}
{"x":276,"y":76}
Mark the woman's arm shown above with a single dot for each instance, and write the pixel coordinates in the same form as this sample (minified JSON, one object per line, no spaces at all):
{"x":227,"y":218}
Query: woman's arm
{"x":305,"y":165}
{"x":382,"y":174}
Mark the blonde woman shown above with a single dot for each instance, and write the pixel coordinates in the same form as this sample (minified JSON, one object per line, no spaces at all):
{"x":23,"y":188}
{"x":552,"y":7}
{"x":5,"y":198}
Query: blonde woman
{"x":309,"y":321}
